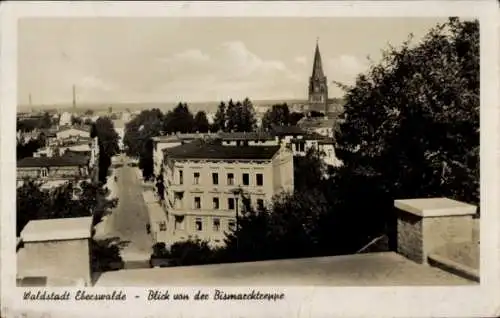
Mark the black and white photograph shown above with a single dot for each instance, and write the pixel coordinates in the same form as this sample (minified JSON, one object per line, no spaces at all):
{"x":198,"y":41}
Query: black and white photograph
{"x":245,"y":150}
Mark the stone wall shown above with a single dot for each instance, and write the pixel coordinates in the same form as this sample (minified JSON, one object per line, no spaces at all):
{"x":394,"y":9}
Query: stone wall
{"x":425,"y":225}
{"x":68,"y":259}
{"x":410,"y":237}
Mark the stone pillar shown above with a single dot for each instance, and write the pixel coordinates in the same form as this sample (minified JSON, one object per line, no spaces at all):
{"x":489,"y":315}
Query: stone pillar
{"x":58,"y":250}
{"x":426,"y":224}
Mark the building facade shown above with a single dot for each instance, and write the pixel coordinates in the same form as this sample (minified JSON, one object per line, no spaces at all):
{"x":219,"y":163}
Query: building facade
{"x":169,"y":141}
{"x":206,"y":182}
{"x":54,"y":171}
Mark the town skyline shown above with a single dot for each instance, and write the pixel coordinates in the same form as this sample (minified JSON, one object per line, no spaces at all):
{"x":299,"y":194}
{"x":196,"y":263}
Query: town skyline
{"x":236,"y":59}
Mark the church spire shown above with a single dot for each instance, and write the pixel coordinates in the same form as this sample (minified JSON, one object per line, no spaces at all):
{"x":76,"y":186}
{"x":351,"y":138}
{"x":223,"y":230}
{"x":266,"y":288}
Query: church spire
{"x":317,"y":71}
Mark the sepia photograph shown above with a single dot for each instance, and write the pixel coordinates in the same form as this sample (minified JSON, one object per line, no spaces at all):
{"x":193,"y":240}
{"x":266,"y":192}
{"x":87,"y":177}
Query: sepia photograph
{"x":325,"y":151}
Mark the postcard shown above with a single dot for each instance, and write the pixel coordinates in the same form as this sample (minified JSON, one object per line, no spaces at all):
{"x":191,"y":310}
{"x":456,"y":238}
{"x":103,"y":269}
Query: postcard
{"x":249,"y":159}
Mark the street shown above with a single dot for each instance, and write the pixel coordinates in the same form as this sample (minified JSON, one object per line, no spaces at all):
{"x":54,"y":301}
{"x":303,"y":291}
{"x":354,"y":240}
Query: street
{"x":128,"y":220}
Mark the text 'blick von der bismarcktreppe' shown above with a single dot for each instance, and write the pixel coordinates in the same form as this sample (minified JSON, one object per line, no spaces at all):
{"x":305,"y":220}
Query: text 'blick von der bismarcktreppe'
{"x":153,"y":295}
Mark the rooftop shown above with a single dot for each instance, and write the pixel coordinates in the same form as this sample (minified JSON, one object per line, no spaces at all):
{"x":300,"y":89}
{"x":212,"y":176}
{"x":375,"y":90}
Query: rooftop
{"x":57,"y":229}
{"x":372,"y":269}
{"x":315,"y":136}
{"x":181,"y":137}
{"x":258,"y":135}
{"x":317,"y":122}
{"x":70,"y":159}
{"x":287,"y":130}
{"x":81,"y":128}
{"x":212,"y":150}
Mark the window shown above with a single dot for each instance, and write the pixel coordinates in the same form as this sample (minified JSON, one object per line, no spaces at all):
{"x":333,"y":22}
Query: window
{"x":196,"y":177}
{"x":181,"y":177}
{"x":215,"y":203}
{"x":260,"y":204}
{"x":179,"y":223}
{"x":216,"y":225}
{"x":163,"y":226}
{"x":230,"y":203}
{"x":199,"y":224}
{"x":230,"y":179}
{"x":197,"y":202}
{"x":260,"y":179}
{"x":44,"y":172}
{"x":246,"y":179}
{"x":231,"y":225}
{"x":215,"y":178}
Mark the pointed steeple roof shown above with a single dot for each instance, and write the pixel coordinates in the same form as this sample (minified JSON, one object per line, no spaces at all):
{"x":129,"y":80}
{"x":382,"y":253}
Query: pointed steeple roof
{"x":317,"y":71}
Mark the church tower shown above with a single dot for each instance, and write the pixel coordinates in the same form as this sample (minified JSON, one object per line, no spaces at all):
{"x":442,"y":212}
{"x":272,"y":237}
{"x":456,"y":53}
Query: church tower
{"x":318,"y":85}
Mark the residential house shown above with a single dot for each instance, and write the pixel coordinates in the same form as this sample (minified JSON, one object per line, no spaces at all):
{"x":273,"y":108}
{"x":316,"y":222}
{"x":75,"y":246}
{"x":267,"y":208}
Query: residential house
{"x":69,"y":132}
{"x":320,"y":125}
{"x":55,"y":171}
{"x":206,"y":181}
{"x":168,"y":141}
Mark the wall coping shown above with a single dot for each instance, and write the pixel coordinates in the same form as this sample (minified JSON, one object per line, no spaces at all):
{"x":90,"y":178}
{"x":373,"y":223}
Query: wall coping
{"x":57,"y":230}
{"x":435,"y":207}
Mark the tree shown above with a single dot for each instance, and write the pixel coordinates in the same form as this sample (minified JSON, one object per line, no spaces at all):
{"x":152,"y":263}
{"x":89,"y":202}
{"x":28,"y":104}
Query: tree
{"x":33,"y":203}
{"x":191,"y":252}
{"x":412,"y":126}
{"x":308,"y":170}
{"x":295,"y":117}
{"x":106,"y":254}
{"x":220,"y":118}
{"x":28,"y":149}
{"x":241,"y":116}
{"x":138,"y":134}
{"x":76,"y":120}
{"x":89,"y":112}
{"x":107,"y":138}
{"x":278,"y":115}
{"x":180,"y":119}
{"x":201,"y":122}
{"x":45,"y":122}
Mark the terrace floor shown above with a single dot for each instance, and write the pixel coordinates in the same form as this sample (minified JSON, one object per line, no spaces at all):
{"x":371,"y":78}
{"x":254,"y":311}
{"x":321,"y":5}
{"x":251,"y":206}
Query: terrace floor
{"x":372,"y":269}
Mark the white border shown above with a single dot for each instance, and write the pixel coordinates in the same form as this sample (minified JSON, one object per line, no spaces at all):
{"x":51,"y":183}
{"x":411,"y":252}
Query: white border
{"x":479,"y":301}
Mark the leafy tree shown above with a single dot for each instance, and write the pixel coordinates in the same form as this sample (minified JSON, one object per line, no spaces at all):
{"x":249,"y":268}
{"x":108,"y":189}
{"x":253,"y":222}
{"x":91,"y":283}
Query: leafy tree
{"x":147,"y":124}
{"x":308,"y":170}
{"x":278,"y":115}
{"x":138,"y":134}
{"x":180,"y":119}
{"x":191,"y":252}
{"x":89,"y":112}
{"x":412,"y":126}
{"x":45,"y":122}
{"x":201,"y":122}
{"x":76,"y":120}
{"x":33,"y":203}
{"x":146,"y":163}
{"x":108,"y":144}
{"x":241,"y":116}
{"x":220,"y":118}
{"x":28,"y":149}
{"x":295,"y":117}
{"x":106,"y":254}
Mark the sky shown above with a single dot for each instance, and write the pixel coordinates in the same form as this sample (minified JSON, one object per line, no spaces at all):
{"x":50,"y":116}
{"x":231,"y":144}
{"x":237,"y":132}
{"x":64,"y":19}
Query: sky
{"x":121,"y":60}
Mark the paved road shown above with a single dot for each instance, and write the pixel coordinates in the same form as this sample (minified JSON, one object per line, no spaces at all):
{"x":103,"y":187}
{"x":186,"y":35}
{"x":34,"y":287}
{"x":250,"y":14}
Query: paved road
{"x":128,"y":220}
